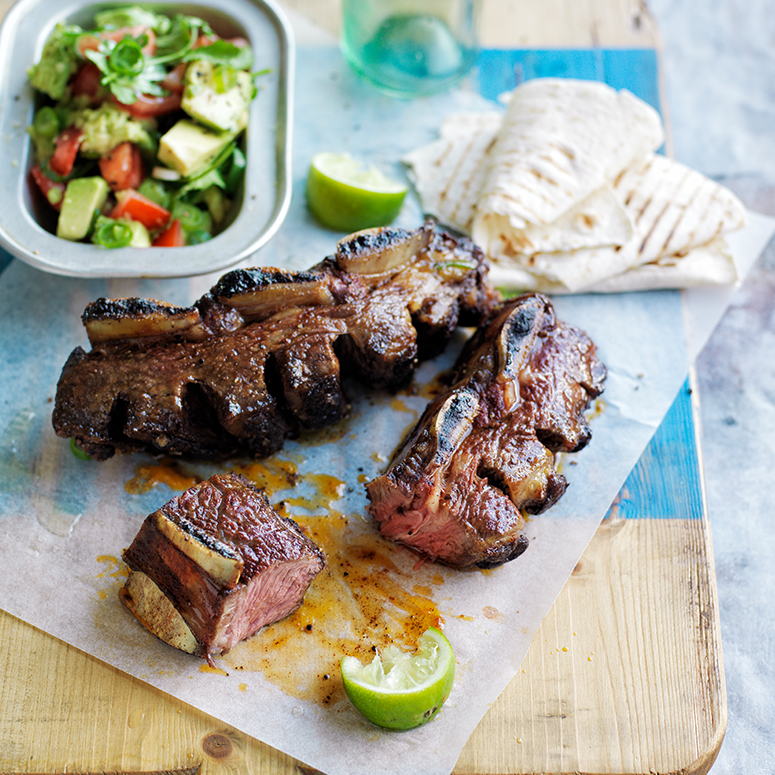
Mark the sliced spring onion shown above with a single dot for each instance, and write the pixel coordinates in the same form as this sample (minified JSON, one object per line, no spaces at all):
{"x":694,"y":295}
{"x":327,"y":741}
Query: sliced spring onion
{"x":112,"y":234}
{"x":165,"y":173}
{"x":46,"y":122}
{"x":127,"y":57}
{"x":224,"y":77}
{"x":198,"y":236}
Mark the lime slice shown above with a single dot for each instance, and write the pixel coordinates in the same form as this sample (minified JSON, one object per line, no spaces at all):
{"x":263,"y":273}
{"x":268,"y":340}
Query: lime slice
{"x":346,"y":195}
{"x":397,"y":690}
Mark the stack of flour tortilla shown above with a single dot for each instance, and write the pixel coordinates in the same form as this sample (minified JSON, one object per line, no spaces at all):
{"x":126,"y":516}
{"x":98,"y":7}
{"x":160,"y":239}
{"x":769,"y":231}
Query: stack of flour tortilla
{"x":566,"y":193}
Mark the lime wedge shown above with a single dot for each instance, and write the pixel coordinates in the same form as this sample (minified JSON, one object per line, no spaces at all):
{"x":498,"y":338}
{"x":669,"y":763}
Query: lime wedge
{"x":346,"y":195}
{"x":397,"y":690}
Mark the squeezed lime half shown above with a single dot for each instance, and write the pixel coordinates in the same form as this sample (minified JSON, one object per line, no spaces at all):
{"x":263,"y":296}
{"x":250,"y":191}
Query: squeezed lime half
{"x":400,"y":690}
{"x":346,"y":195}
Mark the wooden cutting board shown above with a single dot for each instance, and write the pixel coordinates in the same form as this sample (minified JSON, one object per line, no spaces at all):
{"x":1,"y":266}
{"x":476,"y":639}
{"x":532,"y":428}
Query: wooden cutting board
{"x":624,"y":675}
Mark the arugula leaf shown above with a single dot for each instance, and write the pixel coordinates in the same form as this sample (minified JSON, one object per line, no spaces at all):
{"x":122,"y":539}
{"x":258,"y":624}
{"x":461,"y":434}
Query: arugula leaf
{"x":126,"y":71}
{"x":222,"y":52}
{"x":180,"y":37}
{"x":131,"y":16}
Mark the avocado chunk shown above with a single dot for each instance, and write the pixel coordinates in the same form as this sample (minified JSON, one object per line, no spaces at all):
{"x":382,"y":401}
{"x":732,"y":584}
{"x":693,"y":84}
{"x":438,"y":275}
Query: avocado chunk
{"x":190,"y":148}
{"x":217,"y":96}
{"x":140,"y":236}
{"x":84,"y":197}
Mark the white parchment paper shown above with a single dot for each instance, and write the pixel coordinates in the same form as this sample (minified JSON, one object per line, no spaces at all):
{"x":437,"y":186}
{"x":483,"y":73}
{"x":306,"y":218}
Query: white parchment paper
{"x":60,"y":518}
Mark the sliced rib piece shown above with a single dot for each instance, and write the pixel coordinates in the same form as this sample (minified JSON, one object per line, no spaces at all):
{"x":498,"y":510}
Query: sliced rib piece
{"x":482,"y":456}
{"x":262,"y":355}
{"x":216,"y":564}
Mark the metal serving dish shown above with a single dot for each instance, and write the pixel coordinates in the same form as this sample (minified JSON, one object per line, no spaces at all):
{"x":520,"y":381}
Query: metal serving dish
{"x":267,"y":191}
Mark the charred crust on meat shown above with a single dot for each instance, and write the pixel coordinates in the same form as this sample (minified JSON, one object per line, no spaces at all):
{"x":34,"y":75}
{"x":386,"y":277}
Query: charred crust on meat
{"x":245,"y":280}
{"x":215,"y":564}
{"x":104,"y":308}
{"x":483,"y":455}
{"x":264,"y":354}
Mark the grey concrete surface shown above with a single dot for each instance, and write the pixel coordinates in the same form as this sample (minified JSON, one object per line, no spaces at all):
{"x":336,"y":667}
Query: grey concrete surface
{"x":719,"y":66}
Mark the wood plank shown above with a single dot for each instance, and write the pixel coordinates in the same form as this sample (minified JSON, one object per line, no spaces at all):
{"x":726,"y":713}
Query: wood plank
{"x":639,"y":689}
{"x":544,"y":24}
{"x":622,"y":677}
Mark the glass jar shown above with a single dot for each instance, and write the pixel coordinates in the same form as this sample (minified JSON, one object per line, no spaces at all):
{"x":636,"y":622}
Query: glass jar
{"x":410,"y":48}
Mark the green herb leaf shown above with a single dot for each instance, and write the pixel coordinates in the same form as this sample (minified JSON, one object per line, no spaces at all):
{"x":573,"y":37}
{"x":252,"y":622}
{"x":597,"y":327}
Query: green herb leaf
{"x":180,"y":38}
{"x":233,"y":169}
{"x":77,"y":451}
{"x":125,"y":69}
{"x":127,"y":57}
{"x":130,"y":16}
{"x":222,"y":52}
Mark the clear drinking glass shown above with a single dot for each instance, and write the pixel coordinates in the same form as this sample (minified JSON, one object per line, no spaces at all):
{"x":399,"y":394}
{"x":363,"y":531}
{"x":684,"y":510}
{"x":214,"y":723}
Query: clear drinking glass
{"x":410,"y":48}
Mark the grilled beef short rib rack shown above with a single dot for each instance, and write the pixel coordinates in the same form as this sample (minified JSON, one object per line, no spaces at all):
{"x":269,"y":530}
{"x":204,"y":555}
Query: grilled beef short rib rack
{"x":263,"y":354}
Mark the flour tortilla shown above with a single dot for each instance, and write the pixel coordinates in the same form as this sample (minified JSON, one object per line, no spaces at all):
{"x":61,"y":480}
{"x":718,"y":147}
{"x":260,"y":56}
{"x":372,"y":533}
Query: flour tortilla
{"x":561,"y":140}
{"x":680,"y":217}
{"x":448,"y":173}
{"x":673,"y":208}
{"x":587,"y":148}
{"x":597,"y":221}
{"x":710,"y":264}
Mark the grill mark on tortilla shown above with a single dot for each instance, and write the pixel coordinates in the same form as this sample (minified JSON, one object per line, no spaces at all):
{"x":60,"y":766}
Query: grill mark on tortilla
{"x":636,"y":178}
{"x":564,"y":151}
{"x":541,"y":176}
{"x":719,"y":221}
{"x":642,"y":210}
{"x":669,"y":206}
{"x":522,"y":208}
{"x":691,"y":238}
{"x":470,"y":178}
{"x":444,"y":193}
{"x":443,"y":156}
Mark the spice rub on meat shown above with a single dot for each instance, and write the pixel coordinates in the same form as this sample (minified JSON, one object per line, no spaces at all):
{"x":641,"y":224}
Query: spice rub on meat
{"x":216,"y":564}
{"x":482,"y":456}
{"x":262,"y":355}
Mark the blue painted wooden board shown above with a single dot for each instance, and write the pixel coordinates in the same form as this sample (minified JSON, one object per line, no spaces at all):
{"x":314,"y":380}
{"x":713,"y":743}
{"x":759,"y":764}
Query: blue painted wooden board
{"x":500,"y":70}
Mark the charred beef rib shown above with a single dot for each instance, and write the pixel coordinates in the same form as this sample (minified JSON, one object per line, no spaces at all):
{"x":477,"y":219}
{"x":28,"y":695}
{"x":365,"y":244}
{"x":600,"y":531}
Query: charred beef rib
{"x":262,"y":355}
{"x":483,"y":453}
{"x":216,"y":564}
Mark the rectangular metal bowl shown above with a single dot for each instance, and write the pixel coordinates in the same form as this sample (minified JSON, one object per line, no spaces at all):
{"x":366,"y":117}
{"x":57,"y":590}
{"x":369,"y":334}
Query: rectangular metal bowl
{"x":257,"y":213}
